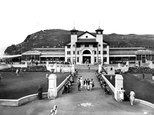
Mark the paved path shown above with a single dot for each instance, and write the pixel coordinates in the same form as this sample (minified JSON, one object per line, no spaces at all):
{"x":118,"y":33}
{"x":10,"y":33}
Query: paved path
{"x":83,"y":102}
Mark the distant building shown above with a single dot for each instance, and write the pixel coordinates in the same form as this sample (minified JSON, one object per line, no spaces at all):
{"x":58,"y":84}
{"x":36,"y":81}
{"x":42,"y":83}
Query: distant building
{"x":89,"y":48}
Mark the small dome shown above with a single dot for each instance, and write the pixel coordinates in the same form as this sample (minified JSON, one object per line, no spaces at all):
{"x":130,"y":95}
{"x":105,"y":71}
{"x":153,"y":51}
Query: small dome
{"x":74,"y":30}
{"x":99,"y":30}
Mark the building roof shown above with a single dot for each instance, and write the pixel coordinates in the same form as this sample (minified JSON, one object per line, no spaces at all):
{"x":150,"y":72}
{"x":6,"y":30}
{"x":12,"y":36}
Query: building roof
{"x":53,"y":53}
{"x":86,"y":41}
{"x":49,"y":49}
{"x":31,"y":52}
{"x":125,"y":48}
{"x":73,"y":30}
{"x":132,"y":52}
{"x":49,"y":55}
{"x":122,"y":52}
{"x":86,"y":32}
{"x":99,"y":29}
{"x":144,"y":52}
{"x":69,"y":43}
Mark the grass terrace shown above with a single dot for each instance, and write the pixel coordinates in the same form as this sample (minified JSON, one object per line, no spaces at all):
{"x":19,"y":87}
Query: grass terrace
{"x":133,"y":80}
{"x":14,"y":87}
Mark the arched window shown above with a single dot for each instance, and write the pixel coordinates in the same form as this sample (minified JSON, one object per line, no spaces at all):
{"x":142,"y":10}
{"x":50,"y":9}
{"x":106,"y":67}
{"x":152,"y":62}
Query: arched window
{"x":86,"y":52}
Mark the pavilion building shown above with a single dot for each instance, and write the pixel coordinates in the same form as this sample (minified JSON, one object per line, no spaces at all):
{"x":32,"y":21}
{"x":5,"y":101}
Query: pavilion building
{"x":89,"y":48}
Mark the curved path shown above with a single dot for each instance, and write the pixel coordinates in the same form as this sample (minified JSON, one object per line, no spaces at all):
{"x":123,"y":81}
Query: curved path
{"x":83,"y":102}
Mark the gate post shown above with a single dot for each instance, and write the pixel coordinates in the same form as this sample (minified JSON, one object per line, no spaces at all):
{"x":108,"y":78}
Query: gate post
{"x":118,"y":86}
{"x":52,"y":86}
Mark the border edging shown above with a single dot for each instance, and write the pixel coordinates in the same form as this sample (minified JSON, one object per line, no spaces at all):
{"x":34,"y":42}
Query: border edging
{"x":145,"y":103}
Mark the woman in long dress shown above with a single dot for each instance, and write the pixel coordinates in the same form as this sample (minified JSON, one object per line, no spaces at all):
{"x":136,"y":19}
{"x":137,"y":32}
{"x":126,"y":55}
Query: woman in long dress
{"x":121,"y":94}
{"x":85,"y":83}
{"x":81,"y":81}
{"x":132,"y":97}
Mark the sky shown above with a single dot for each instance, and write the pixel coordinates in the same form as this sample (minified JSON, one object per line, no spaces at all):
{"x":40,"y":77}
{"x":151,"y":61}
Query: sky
{"x":19,"y":18}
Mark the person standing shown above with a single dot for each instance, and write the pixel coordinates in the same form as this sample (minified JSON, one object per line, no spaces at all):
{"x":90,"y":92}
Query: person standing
{"x":132,"y":97}
{"x":0,"y":78}
{"x":143,"y":75}
{"x":79,"y":84}
{"x":88,"y":67}
{"x":40,"y":92}
{"x":121,"y":94}
{"x":92,"y":83}
{"x":17,"y":71}
{"x":85,"y":83}
{"x":88,"y":84}
{"x":47,"y":76}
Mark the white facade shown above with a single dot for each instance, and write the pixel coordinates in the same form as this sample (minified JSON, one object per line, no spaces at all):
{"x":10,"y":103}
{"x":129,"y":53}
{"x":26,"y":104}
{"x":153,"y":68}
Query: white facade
{"x":87,"y":48}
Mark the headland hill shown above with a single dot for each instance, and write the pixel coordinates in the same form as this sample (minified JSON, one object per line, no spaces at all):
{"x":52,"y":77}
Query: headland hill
{"x":58,"y":38}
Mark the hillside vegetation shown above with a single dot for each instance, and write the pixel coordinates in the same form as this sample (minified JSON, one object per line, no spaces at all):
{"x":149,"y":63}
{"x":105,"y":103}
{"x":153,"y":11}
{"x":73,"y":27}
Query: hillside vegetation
{"x":59,"y":38}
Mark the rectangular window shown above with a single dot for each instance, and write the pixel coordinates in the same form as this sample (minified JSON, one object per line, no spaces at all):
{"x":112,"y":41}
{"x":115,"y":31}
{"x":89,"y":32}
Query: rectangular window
{"x":104,"y":59}
{"x":86,"y":45}
{"x":78,"y":45}
{"x":77,"y":52}
{"x":94,"y":45}
{"x":95,"y":59}
{"x":104,"y":46}
{"x":73,"y":52}
{"x":77,"y":59}
{"x":68,"y":46}
{"x":68,"y":59}
{"x":68,"y":52}
{"x":104,"y":52}
{"x":99,"y":52}
{"x":95,"y":52}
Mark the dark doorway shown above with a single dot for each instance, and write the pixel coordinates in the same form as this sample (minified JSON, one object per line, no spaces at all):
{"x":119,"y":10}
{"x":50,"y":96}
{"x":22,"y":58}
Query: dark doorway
{"x":87,"y":59}
{"x":86,"y":52}
{"x":143,"y":59}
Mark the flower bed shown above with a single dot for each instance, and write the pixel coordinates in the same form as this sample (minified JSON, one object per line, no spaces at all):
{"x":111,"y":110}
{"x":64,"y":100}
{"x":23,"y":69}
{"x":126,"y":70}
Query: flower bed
{"x":146,"y":70}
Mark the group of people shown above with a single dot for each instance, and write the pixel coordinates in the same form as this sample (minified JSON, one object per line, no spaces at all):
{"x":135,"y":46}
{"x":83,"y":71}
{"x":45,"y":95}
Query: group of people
{"x":124,"y":97}
{"x":67,"y":87}
{"x":86,"y":83}
{"x":103,"y":84}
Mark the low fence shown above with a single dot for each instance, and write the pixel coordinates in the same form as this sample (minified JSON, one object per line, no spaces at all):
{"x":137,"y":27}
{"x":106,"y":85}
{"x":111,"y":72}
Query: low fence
{"x":19,"y":65}
{"x":60,"y":68}
{"x":29,"y":98}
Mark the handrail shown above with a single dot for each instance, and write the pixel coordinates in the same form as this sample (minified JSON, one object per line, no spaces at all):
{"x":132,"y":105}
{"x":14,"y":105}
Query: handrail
{"x":63,"y":83}
{"x":109,"y":84}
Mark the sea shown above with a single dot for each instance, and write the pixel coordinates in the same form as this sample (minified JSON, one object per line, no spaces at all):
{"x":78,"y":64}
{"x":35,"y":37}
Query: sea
{"x":2,"y":49}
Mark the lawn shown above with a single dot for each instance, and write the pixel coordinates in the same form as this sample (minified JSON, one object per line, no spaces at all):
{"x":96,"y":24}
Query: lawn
{"x":14,"y":87}
{"x":144,"y":88}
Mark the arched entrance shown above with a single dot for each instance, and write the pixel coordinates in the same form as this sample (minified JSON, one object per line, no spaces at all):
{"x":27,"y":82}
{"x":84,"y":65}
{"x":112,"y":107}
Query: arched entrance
{"x":86,"y":57}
